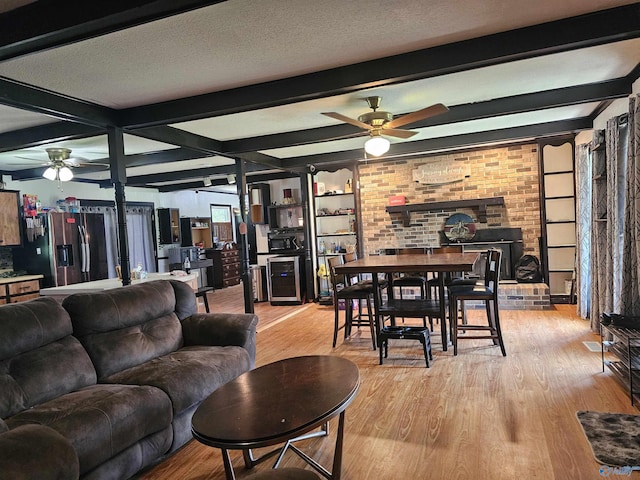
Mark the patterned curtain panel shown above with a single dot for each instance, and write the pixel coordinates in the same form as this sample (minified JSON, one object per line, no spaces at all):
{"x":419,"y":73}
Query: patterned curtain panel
{"x":630,"y":292}
{"x":584,"y":210}
{"x":599,"y":252}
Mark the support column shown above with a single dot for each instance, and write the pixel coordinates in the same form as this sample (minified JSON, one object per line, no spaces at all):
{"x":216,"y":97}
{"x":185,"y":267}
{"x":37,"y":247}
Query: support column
{"x":118,"y":170}
{"x":241,"y":235}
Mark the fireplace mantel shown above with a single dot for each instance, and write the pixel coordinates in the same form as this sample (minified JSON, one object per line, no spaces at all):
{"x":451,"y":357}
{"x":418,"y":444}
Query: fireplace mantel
{"x":479,"y":203}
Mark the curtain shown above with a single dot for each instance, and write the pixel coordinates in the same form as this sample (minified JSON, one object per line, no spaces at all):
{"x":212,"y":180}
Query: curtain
{"x":584,"y":215}
{"x":139,"y":237}
{"x":599,"y":280}
{"x":608,"y":260}
{"x":630,"y":292}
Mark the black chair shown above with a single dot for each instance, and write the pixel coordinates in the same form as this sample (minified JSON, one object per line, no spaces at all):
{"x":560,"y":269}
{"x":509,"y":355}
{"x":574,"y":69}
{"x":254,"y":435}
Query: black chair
{"x":344,"y":289}
{"x":433,"y":283}
{"x":202,"y":292}
{"x":412,"y":280}
{"x":486,"y":291}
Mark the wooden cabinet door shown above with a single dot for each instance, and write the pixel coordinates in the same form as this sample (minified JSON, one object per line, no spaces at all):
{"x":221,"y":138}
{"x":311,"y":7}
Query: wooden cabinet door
{"x":9,"y":218}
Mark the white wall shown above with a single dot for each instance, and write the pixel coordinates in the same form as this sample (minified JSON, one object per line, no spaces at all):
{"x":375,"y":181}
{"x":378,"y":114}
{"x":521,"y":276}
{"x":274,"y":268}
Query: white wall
{"x":190,"y":203}
{"x":617,"y":107}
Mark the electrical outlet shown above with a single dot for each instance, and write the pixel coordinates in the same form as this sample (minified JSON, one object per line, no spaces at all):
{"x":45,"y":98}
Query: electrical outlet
{"x":38,"y":251}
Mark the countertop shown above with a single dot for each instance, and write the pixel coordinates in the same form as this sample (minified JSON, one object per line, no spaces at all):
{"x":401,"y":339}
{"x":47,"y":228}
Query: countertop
{"x":110,"y":283}
{"x":21,"y":278}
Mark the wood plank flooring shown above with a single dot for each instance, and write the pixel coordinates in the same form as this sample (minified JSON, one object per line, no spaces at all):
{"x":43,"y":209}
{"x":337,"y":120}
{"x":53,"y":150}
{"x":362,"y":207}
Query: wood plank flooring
{"x":475,"y":416}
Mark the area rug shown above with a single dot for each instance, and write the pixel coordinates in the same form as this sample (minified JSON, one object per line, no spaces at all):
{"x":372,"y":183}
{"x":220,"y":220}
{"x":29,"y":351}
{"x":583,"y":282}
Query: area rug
{"x":614,"y":437}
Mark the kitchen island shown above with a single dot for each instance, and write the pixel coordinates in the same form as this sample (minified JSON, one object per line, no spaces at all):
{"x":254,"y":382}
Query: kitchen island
{"x":59,"y":293}
{"x":19,"y":288}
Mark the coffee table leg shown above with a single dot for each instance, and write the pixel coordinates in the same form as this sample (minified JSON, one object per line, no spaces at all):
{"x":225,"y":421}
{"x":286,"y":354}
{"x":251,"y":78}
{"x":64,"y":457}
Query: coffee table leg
{"x":228,"y":468}
{"x":337,"y":454}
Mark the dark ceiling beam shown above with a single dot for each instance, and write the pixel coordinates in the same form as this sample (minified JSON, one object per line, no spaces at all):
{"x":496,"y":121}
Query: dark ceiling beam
{"x":182,"y":138}
{"x":431,"y":145}
{"x":186,"y":174}
{"x":163,"y":156}
{"x":18,"y":95}
{"x":596,"y":92}
{"x":63,"y":22}
{"x":199,"y":185}
{"x":46,"y":134}
{"x":553,"y":37}
{"x":200,"y":143}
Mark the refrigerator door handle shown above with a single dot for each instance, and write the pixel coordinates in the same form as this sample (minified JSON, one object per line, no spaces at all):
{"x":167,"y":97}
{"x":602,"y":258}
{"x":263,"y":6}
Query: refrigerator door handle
{"x":87,"y":258}
{"x":83,"y":248}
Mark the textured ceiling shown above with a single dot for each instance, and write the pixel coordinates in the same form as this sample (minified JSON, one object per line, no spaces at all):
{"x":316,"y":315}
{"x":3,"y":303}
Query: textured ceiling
{"x":235,"y":44}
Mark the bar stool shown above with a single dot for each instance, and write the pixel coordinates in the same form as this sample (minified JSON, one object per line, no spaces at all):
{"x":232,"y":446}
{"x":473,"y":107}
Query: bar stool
{"x":202,"y":292}
{"x":415,"y":280}
{"x":487,"y":292}
{"x":348,"y":293}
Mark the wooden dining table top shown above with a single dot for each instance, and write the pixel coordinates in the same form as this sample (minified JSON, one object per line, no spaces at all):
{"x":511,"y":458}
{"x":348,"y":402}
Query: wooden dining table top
{"x":431,"y":262}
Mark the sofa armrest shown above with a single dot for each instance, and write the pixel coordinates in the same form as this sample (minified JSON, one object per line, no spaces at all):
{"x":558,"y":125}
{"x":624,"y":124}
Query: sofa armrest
{"x":31,"y":452}
{"x":222,"y":329}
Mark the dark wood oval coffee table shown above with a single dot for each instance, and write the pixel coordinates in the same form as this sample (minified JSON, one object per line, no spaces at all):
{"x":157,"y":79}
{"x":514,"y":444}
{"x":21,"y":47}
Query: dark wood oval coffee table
{"x":276,"y":403}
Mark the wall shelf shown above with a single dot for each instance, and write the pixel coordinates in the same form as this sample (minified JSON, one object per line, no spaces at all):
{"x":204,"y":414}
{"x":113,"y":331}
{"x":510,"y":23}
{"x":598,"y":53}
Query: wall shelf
{"x":480,"y":203}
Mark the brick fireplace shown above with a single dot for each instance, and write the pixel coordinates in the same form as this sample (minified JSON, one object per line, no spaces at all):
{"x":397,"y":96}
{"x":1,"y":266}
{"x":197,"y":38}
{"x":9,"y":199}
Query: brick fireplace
{"x":509,"y":172}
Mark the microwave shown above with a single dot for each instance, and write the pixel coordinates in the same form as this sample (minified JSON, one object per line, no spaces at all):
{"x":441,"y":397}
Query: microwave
{"x":283,"y":243}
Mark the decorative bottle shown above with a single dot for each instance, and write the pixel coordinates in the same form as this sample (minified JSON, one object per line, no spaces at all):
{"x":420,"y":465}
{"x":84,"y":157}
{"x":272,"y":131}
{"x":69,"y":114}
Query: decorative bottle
{"x":187,"y":265}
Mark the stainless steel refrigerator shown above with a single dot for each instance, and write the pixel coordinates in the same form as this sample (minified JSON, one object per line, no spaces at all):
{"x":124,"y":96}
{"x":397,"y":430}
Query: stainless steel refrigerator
{"x":70,"y":248}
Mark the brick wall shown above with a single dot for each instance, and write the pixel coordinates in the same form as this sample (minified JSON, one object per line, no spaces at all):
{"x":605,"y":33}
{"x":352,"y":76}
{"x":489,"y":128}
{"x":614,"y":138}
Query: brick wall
{"x":509,"y":172}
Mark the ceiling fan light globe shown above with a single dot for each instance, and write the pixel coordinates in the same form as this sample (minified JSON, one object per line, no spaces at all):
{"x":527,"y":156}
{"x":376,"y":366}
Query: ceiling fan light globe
{"x":65,"y":174}
{"x":377,"y":146}
{"x":49,"y":174}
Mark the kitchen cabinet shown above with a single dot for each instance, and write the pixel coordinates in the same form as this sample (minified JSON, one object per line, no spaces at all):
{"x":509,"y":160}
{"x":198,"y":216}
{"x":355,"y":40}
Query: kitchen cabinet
{"x":19,"y":289}
{"x":196,"y":230}
{"x":226,"y":267}
{"x":286,"y":216}
{"x":169,"y":226}
{"x":10,"y":218}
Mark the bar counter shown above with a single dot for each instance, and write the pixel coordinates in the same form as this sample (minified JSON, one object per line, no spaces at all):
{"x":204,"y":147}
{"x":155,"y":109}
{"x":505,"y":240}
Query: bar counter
{"x":59,"y":293}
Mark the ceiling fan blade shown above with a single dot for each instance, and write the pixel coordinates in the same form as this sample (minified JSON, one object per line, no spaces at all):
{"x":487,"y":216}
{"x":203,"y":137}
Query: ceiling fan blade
{"x":30,"y":159}
{"x":344,"y":118}
{"x":396,"y":132}
{"x":413,"y":117}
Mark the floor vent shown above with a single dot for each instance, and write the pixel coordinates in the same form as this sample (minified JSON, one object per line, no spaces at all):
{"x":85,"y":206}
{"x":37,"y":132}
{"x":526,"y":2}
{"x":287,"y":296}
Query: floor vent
{"x":593,"y":346}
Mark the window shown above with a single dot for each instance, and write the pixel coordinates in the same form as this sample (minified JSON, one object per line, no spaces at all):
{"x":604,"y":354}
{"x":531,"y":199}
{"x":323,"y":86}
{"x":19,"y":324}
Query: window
{"x":221,"y":223}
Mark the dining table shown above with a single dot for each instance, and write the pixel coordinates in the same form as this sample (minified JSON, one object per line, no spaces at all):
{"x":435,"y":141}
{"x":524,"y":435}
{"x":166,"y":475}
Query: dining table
{"x":436,"y":263}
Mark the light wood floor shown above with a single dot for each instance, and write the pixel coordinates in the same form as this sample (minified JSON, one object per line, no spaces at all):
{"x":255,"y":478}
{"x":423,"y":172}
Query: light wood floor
{"x":475,"y":416}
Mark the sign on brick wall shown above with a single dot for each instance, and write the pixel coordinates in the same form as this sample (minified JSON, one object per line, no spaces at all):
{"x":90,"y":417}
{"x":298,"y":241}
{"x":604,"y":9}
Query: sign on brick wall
{"x":439,"y":172}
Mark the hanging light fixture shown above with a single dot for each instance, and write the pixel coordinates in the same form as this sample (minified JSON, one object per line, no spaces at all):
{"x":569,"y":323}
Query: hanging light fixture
{"x":58,"y":169}
{"x":376,"y":145}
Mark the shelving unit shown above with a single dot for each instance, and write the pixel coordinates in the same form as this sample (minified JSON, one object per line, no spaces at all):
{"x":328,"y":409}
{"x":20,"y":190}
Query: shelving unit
{"x":559,"y":219}
{"x":625,"y":348}
{"x":335,"y":222}
{"x":195,"y":230}
{"x":169,"y":226}
{"x":285,"y":215}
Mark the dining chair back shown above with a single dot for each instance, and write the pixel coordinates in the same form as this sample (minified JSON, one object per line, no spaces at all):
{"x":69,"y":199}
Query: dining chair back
{"x":412,"y":280}
{"x":487,"y":292}
{"x":347,"y":291}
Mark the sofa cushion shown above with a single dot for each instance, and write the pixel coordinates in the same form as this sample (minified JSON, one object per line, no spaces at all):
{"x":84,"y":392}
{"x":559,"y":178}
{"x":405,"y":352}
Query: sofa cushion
{"x":37,"y":350}
{"x":101,"y":420}
{"x":28,"y":325}
{"x":188,"y":375}
{"x":36,"y":452}
{"x":127,"y":326}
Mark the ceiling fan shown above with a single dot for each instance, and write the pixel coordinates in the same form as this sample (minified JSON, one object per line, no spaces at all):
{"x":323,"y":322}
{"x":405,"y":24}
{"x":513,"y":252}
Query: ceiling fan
{"x":379,"y":122}
{"x":60,"y":163}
